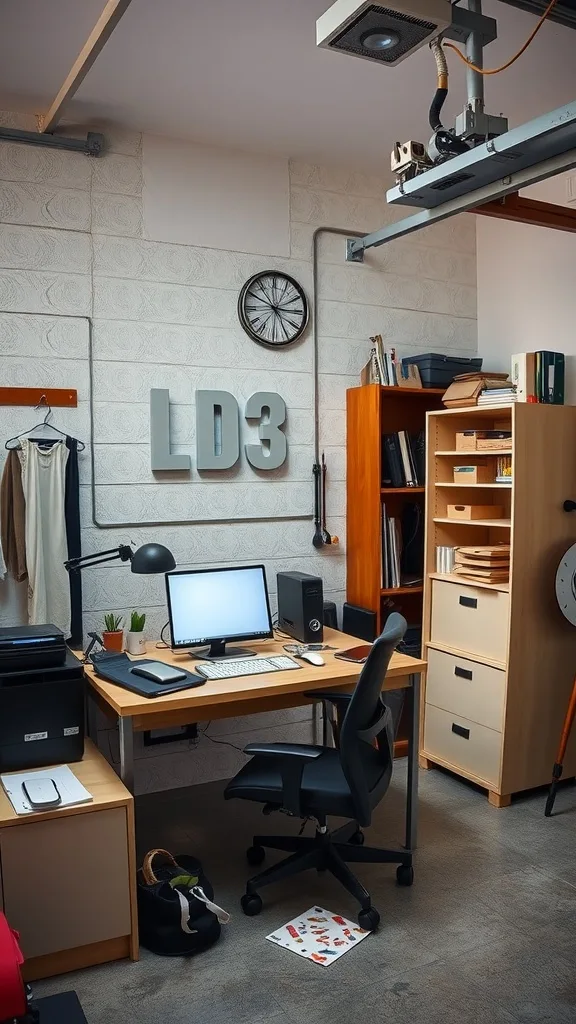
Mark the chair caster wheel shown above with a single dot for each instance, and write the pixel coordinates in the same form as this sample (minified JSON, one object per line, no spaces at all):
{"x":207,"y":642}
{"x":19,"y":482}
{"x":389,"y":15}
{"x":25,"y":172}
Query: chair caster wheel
{"x":251,"y":904}
{"x":357,"y":838}
{"x":405,"y":874}
{"x":369,"y":919}
{"x":255,"y":855}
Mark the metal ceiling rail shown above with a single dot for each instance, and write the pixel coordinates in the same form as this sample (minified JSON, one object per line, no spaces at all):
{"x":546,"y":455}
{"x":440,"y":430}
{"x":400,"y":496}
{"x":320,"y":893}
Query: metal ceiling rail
{"x":521,"y":157}
{"x":356,"y":247}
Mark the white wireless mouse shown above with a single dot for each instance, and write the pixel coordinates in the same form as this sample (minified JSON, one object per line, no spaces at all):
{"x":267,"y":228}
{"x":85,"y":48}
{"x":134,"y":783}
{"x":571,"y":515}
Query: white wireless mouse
{"x":312,"y":657}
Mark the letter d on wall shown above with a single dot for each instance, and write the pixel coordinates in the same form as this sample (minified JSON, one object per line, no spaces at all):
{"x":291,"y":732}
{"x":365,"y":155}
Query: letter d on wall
{"x":217,"y":430}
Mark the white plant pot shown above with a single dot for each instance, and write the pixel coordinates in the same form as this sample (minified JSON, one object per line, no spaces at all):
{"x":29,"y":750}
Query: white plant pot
{"x":135,"y":642}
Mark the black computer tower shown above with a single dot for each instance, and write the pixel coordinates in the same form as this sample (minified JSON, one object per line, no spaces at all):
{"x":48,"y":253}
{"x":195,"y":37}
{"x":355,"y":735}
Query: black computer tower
{"x":300,"y":606}
{"x":42,"y":712}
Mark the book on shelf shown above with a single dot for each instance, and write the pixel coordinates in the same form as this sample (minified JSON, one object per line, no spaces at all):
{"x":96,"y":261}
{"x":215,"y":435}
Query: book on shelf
{"x":539,"y":376}
{"x":403,"y":459}
{"x":391,"y":551}
{"x":388,"y":371}
{"x":504,"y":469}
{"x":497,"y":396}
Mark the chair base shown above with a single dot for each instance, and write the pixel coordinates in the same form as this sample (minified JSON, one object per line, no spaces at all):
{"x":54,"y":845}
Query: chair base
{"x":325,"y":852}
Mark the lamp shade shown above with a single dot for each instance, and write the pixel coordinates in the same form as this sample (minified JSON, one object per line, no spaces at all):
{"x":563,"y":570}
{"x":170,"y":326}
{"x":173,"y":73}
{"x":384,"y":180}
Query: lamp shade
{"x":152,"y":558}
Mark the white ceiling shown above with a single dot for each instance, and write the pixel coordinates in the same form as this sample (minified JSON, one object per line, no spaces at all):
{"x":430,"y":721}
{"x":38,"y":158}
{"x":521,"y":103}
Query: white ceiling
{"x":247,"y":74}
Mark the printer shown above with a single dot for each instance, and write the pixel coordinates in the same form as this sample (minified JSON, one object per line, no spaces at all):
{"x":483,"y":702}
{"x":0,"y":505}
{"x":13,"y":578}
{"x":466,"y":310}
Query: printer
{"x":42,"y":699}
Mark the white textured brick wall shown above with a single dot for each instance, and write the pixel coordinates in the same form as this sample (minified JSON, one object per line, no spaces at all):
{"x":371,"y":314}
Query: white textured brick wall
{"x":165,"y":315}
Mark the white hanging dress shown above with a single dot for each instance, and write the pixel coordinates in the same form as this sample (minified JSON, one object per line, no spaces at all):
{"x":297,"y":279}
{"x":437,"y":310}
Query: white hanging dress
{"x":44,"y":485}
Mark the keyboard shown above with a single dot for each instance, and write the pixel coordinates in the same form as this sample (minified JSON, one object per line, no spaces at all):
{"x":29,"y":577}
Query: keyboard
{"x":245,"y":667}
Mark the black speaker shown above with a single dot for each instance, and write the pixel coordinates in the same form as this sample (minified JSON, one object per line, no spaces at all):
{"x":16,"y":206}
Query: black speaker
{"x":358,"y":622}
{"x":300,"y":606}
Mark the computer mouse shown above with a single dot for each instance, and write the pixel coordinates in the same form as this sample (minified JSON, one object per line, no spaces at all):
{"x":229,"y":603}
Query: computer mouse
{"x":312,"y":657}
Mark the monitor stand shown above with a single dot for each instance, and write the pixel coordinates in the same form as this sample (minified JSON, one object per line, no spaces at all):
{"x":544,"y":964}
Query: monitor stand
{"x":218,"y":651}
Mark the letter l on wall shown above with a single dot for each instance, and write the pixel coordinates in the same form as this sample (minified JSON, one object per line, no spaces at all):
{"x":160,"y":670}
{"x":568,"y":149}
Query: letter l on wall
{"x":160,"y":455}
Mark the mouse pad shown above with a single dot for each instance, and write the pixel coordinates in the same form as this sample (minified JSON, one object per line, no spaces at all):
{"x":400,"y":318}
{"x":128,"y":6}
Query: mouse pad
{"x":116,"y":668}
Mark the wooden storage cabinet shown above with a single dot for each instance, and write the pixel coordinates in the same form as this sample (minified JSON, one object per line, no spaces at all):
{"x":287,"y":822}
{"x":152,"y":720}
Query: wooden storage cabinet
{"x":501,"y":656}
{"x":371,"y":412}
{"x":67,"y":882}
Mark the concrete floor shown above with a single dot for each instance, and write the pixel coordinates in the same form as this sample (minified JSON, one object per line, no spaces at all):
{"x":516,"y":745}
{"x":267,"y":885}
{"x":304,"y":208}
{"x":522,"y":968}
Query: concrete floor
{"x":486,"y":934}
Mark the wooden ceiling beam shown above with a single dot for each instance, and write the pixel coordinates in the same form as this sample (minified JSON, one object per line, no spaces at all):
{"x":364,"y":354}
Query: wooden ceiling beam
{"x":530,"y":211}
{"x":97,"y":39}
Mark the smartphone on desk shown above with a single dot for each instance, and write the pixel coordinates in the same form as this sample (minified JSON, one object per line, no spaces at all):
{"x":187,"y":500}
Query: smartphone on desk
{"x":358,"y":655}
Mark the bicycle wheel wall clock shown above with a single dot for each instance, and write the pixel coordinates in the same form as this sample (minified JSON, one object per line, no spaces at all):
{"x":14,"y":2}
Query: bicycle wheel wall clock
{"x":273,"y":309}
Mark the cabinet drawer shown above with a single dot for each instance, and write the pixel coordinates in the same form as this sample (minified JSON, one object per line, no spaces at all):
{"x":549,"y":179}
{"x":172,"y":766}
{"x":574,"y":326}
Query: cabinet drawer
{"x":464,"y":744}
{"x":66,"y":880}
{"x":470,"y":619}
{"x":466,"y":688}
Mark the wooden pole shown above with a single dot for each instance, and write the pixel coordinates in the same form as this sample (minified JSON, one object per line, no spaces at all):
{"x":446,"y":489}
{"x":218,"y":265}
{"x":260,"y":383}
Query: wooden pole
{"x":98,"y":37}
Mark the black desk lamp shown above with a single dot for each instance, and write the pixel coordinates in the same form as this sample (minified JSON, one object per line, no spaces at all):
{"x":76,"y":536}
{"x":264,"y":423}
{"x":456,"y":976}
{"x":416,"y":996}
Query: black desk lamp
{"x":148,"y":559}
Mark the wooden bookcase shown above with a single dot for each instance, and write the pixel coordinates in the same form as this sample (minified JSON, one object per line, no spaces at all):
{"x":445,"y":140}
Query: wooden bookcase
{"x":371,"y":412}
{"x":501,"y":657}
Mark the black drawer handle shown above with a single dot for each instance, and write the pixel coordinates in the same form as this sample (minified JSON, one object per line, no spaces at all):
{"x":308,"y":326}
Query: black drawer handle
{"x":469,"y":602}
{"x":460,"y":731}
{"x":463,"y":673}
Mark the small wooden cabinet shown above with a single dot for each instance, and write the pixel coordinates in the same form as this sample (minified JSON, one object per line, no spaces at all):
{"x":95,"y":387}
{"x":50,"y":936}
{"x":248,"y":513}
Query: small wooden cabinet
{"x":68,"y":876}
{"x":501,"y":656}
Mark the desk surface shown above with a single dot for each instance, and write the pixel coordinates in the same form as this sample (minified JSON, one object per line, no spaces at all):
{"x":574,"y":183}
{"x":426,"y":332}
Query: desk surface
{"x":94,"y":772}
{"x":333,"y":673}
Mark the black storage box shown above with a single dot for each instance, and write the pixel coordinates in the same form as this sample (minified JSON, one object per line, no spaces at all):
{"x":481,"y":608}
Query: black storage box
{"x":42,"y":713}
{"x":439,"y":371}
{"x":26,"y":647}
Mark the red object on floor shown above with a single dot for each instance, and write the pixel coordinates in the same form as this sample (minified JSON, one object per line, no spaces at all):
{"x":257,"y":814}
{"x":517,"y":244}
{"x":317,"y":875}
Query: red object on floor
{"x":13,"y":1001}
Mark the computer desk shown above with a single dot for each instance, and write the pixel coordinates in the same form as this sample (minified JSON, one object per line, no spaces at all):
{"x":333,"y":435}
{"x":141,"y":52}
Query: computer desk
{"x":247,"y":695}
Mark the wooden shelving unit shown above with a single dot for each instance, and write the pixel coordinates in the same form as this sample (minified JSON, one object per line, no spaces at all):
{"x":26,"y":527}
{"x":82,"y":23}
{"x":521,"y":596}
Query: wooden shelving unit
{"x":371,"y":412}
{"x":501,"y":657}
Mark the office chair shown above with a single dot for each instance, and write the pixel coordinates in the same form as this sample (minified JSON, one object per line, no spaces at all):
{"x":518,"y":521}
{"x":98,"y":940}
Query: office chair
{"x":310,"y":781}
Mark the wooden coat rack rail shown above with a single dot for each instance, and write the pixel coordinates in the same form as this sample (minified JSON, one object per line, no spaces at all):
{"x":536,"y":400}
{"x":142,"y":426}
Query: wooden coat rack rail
{"x":52,"y":397}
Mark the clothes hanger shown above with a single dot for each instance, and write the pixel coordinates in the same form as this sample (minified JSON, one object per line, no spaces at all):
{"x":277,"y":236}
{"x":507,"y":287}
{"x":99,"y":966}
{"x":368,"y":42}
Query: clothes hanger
{"x":43,"y":404}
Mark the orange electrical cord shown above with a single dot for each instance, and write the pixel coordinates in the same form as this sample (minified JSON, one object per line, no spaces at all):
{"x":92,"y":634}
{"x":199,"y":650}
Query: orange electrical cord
{"x":496,"y":71}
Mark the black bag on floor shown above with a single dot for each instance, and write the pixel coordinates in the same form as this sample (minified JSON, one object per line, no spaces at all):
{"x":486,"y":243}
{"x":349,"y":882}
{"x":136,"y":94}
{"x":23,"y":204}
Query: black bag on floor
{"x":176,"y":912}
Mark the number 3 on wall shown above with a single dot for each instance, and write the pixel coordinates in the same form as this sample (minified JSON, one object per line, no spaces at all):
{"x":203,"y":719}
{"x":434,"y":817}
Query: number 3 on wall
{"x":218,"y":431}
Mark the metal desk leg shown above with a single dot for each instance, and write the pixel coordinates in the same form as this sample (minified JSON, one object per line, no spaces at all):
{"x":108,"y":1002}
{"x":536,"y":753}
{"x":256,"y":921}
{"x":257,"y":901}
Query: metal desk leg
{"x":412,"y":779}
{"x":126,"y":735}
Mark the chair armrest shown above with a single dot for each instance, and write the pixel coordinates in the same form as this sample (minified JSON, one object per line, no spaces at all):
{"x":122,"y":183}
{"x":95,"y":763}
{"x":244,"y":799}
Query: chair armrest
{"x":291,"y":760}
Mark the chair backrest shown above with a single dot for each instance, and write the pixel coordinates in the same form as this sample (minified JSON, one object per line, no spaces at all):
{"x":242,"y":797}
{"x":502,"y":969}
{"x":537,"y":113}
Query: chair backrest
{"x":367,"y":768}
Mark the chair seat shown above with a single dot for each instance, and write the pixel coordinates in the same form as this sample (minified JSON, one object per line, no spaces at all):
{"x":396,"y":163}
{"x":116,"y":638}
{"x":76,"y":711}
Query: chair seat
{"x":324,"y":786}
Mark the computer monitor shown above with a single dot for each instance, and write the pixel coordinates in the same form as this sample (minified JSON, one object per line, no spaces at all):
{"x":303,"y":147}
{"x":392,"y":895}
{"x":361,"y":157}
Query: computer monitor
{"x":217,"y":606}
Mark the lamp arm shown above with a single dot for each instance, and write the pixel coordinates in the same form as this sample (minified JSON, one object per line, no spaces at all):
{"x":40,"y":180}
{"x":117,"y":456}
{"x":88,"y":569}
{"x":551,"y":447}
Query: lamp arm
{"x":123,"y":552}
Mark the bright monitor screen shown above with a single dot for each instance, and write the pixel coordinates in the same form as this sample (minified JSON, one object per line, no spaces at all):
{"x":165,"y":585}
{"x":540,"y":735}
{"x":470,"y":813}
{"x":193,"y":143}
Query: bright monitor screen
{"x":208,"y":605}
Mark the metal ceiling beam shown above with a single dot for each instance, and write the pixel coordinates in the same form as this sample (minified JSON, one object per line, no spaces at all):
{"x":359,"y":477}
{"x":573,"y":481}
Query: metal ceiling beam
{"x":97,"y":39}
{"x":530,"y":211}
{"x":356,"y":247}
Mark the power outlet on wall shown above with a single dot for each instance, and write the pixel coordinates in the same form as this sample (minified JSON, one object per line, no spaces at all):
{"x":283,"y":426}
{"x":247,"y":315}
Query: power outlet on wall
{"x":154,"y":737}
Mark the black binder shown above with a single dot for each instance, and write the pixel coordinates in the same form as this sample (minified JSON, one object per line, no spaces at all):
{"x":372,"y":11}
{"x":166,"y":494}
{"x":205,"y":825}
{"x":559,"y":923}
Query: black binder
{"x":394,"y":460}
{"x":116,"y":668}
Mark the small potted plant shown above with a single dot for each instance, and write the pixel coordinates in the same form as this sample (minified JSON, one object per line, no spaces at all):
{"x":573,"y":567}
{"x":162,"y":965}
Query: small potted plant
{"x":135,"y":642}
{"x":113,"y":635}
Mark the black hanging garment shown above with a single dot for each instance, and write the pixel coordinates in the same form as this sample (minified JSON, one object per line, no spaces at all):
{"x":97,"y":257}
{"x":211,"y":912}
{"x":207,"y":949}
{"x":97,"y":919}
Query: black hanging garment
{"x":74,"y":540}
